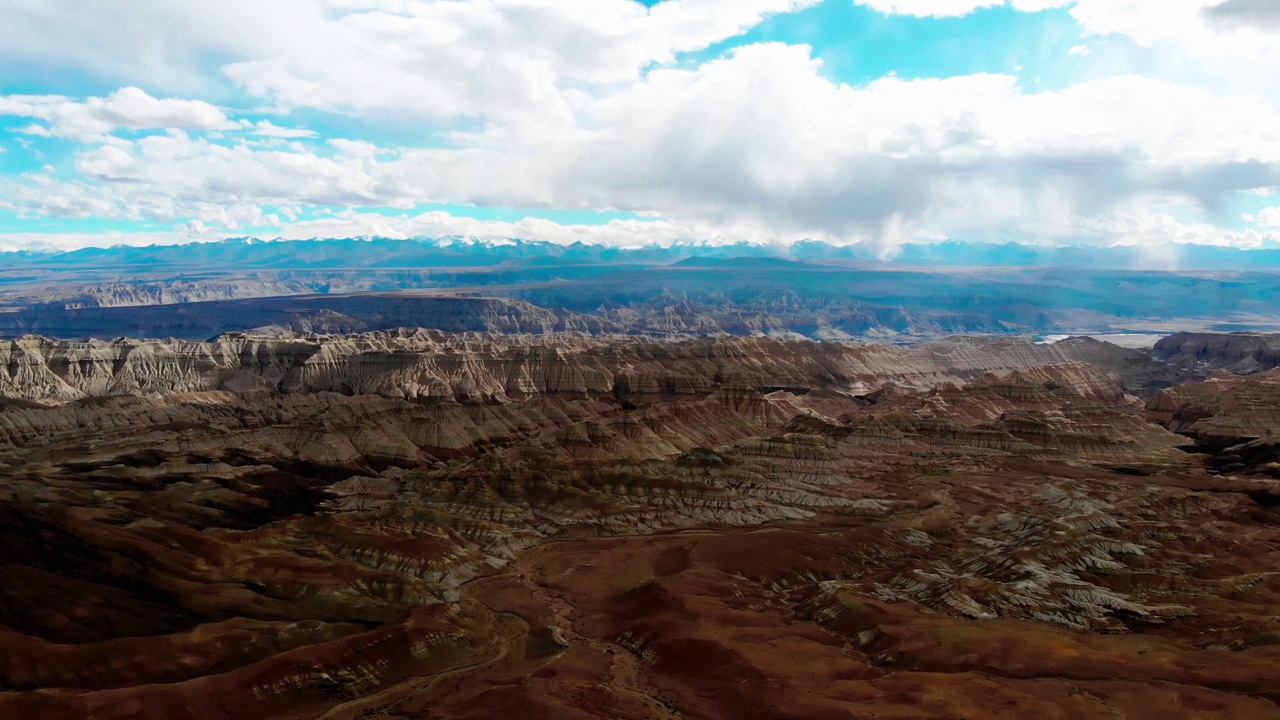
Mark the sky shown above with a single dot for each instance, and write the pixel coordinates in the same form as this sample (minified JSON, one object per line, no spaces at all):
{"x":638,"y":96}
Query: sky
{"x":1053,"y":122}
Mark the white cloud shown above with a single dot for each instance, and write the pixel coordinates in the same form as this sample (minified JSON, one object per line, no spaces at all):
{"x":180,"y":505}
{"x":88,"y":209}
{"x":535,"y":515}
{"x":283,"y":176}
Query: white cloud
{"x":763,"y":135}
{"x":760,"y":139}
{"x":1157,"y":233}
{"x":171,"y":177}
{"x":1267,"y":217}
{"x":40,"y":194}
{"x":110,"y":162}
{"x":422,"y":58}
{"x":955,"y":8}
{"x":488,"y":59}
{"x":266,"y":128}
{"x":1154,"y":230}
{"x":1200,"y":27}
{"x":128,"y":107}
{"x":578,"y":104}
{"x":63,"y":241}
{"x":155,"y":43}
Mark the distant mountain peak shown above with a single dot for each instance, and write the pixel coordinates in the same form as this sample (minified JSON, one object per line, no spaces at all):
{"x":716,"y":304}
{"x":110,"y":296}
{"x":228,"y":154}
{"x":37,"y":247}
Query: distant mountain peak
{"x":369,"y":251}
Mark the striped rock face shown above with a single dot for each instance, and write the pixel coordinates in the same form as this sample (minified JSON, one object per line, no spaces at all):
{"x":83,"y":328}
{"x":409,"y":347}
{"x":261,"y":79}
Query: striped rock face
{"x":416,"y":524}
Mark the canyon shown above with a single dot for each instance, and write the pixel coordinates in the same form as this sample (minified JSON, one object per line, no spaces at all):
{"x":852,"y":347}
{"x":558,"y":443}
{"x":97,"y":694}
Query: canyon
{"x":807,"y":290}
{"x":416,"y":523}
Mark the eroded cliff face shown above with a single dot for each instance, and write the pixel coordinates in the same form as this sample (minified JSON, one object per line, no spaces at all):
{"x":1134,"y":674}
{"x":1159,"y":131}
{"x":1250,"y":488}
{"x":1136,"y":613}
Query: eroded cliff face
{"x":1234,"y":419}
{"x":432,"y":366}
{"x":417,"y":524}
{"x":1239,"y":353}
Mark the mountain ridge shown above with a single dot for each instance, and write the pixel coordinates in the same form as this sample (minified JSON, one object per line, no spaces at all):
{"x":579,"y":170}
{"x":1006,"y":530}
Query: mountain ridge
{"x":373,"y":251}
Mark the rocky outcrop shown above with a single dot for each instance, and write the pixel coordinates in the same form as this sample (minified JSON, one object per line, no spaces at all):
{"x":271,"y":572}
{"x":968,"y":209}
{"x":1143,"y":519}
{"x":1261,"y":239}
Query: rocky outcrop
{"x":414,"y":523}
{"x":1239,"y":353}
{"x":431,"y":366}
{"x":1235,"y":420}
{"x":1225,"y":405}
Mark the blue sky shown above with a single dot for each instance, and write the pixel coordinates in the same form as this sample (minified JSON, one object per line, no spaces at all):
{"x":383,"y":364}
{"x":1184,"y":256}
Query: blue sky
{"x":1086,"y":122}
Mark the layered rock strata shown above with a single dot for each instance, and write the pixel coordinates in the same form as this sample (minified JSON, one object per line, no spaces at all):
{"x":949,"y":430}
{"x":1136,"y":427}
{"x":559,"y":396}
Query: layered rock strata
{"x":417,"y":524}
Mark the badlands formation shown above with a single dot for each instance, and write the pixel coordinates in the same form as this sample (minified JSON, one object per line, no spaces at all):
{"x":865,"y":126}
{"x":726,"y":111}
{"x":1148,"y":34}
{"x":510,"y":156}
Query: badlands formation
{"x":415,"y":524}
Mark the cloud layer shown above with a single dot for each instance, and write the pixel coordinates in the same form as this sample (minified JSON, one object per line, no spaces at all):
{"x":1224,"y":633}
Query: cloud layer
{"x":606,"y":105}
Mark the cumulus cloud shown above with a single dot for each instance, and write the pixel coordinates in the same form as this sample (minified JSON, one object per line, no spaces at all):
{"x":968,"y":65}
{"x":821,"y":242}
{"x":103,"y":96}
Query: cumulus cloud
{"x":23,"y":195}
{"x":1156,"y":230}
{"x":110,"y":162}
{"x":1267,"y":218}
{"x":764,"y":135}
{"x":171,"y":176}
{"x":590,"y":104}
{"x":759,"y":139}
{"x":424,"y":58}
{"x":490,"y":59}
{"x":1202,"y":28}
{"x":129,"y":107}
{"x":155,"y":43}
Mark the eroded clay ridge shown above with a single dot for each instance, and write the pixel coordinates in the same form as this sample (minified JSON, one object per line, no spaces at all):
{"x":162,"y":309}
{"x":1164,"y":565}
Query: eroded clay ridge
{"x":423,"y":525}
{"x":429,"y":365}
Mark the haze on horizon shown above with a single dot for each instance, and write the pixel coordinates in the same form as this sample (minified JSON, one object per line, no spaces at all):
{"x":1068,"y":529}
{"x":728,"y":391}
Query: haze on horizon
{"x":1057,"y":122}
